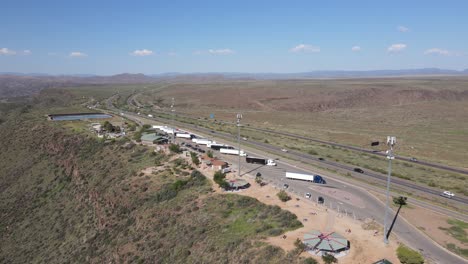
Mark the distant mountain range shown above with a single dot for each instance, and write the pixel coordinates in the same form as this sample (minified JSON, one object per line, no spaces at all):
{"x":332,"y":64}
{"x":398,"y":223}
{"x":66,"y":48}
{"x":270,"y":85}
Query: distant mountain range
{"x":14,"y":84}
{"x":128,"y":77}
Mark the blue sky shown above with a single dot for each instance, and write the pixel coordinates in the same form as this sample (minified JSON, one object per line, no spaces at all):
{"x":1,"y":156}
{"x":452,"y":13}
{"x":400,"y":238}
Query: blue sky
{"x":109,"y":37}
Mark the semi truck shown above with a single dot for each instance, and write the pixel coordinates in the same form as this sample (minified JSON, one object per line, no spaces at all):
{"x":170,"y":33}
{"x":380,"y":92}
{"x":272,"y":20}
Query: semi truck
{"x":201,"y":141}
{"x":183,"y":135}
{"x":233,"y":152}
{"x":263,"y":161}
{"x":304,"y":177}
{"x":217,"y":146}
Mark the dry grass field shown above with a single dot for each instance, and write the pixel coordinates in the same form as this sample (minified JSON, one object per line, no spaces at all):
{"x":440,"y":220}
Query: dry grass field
{"x":428,"y":116}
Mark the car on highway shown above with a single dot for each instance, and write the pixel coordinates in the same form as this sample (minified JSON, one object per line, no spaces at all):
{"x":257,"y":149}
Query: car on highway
{"x":308,"y":195}
{"x":358,"y":170}
{"x":414,"y":159}
{"x":284,"y":150}
{"x":321,"y":159}
{"x":447,"y":194}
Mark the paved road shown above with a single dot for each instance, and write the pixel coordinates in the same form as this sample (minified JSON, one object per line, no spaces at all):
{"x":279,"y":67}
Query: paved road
{"x":372,"y":207}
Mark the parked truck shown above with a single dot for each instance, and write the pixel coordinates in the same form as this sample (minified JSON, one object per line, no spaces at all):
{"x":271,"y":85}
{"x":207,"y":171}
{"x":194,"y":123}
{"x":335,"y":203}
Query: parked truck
{"x":217,"y":146}
{"x":233,"y":152}
{"x":263,"y":161}
{"x":183,"y":135}
{"x":201,"y":141}
{"x":304,"y":177}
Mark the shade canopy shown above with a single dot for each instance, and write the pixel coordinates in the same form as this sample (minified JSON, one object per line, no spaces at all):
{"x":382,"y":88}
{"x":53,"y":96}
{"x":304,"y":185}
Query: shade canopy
{"x":330,"y":242}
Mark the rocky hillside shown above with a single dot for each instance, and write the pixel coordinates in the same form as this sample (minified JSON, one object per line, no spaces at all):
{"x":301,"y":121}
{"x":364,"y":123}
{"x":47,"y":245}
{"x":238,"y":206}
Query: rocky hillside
{"x":71,"y":198}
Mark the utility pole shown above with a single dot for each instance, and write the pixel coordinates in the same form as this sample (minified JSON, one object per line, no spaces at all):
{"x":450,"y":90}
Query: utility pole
{"x":173,"y":126}
{"x":391,"y":142}
{"x":239,"y":117}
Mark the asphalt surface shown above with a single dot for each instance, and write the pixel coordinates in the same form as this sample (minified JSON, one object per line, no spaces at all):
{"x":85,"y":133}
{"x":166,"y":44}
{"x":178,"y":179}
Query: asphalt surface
{"x":372,"y":207}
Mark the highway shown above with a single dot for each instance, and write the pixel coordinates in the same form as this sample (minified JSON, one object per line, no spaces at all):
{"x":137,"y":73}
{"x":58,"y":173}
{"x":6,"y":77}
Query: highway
{"x":370,"y":207}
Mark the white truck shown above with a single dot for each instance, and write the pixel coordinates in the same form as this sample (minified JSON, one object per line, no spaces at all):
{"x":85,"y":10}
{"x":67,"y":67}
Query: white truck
{"x":304,"y":177}
{"x":150,"y":115}
{"x":201,"y":141}
{"x":263,"y":161}
{"x":233,"y":152}
{"x":183,"y":135}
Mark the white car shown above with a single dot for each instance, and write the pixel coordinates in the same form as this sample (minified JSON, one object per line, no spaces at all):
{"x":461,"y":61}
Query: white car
{"x":308,"y":195}
{"x":284,"y":150}
{"x":447,"y":194}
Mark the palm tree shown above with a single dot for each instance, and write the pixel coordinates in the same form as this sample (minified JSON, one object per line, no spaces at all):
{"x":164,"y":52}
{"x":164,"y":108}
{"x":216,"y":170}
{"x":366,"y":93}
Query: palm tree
{"x":401,"y":200}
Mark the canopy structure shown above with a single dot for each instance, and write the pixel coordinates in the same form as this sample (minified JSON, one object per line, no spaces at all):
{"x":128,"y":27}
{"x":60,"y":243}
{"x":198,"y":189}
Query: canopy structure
{"x":238,"y":183}
{"x":326,"y":242}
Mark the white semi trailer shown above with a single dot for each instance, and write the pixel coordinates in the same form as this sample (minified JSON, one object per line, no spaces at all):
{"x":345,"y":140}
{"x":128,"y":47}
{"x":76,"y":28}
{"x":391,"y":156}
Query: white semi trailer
{"x":203,"y":141}
{"x":233,"y":152}
{"x":183,"y":135}
{"x":304,"y":177}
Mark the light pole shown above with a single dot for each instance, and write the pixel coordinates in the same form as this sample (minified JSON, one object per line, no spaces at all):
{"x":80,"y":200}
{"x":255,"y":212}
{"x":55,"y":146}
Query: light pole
{"x":391,"y":142}
{"x":239,"y":117}
{"x":173,"y":127}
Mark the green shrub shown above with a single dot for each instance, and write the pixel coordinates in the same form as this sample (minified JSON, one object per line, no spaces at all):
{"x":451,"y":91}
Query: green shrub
{"x":300,"y":246}
{"x":283,"y":196}
{"x":310,"y":261}
{"x":220,"y":179}
{"x":328,"y":259}
{"x":174,"y":148}
{"x":409,"y":256}
{"x":209,"y":153}
{"x":195,"y":159}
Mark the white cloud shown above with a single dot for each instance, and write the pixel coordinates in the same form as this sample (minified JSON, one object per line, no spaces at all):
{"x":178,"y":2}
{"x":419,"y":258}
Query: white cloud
{"x":77,"y":54}
{"x":356,"y":48}
{"x":438,"y":51}
{"x":220,"y":51}
{"x":143,"y":52}
{"x":403,"y":29}
{"x":305,"y":48}
{"x":6,"y":51}
{"x":396,"y":47}
{"x":27,"y":52}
